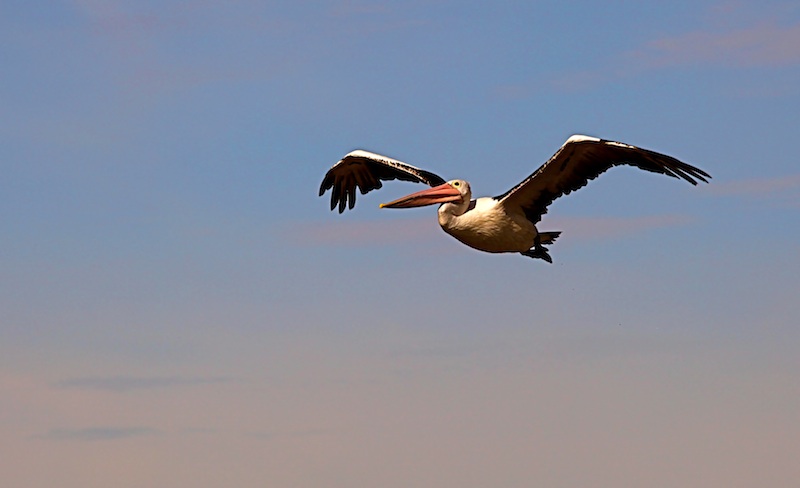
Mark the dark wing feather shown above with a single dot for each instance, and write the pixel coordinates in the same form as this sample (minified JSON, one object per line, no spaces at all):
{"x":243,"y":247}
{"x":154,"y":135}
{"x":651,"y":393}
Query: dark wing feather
{"x":581,"y":159}
{"x":365,"y":170}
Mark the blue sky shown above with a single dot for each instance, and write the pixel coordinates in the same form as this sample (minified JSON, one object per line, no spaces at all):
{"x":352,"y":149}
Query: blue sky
{"x":179,"y":308}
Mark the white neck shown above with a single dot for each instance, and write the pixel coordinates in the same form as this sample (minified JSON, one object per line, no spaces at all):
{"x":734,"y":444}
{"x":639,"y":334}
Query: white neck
{"x":450,"y":211}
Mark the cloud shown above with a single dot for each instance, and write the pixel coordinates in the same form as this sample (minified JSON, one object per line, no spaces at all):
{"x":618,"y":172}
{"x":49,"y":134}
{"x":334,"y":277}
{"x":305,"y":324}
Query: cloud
{"x":98,"y":433}
{"x":757,"y":187}
{"x":129,"y":383}
{"x":765,"y":44}
{"x":762,"y":43}
{"x":782,"y":191}
{"x":609,"y":228}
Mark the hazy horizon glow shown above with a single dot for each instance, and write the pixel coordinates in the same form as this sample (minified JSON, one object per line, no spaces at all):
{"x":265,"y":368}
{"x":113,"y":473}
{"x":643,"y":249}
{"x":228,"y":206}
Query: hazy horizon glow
{"x":178,"y":307}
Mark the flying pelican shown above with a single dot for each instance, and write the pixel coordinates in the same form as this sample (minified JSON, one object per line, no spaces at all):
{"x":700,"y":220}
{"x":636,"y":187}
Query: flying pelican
{"x":505,"y":223}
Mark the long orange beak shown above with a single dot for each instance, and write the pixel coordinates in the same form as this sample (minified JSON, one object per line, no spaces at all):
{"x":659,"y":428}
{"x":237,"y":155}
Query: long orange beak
{"x":438,"y":194}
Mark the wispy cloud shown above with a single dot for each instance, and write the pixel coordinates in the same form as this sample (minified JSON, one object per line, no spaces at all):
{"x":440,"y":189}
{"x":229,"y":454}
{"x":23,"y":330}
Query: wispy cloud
{"x":765,"y":44}
{"x":782,"y":191}
{"x":606,"y":228}
{"x":129,"y":383}
{"x":138,"y":40}
{"x":98,"y":433}
{"x":757,"y":187}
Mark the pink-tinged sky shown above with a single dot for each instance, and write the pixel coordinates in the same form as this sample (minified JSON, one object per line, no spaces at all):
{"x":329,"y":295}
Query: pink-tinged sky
{"x":178,"y":307}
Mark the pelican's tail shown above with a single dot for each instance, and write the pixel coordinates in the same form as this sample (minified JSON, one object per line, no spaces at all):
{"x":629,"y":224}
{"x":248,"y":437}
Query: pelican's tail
{"x":548,"y":237}
{"x":538,"y":251}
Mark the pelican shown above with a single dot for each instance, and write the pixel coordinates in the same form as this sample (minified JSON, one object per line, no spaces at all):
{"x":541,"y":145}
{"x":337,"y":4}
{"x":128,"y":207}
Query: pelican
{"x":505,"y":223}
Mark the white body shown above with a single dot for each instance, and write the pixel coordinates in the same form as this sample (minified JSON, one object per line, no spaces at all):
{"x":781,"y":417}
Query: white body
{"x":487,"y":226}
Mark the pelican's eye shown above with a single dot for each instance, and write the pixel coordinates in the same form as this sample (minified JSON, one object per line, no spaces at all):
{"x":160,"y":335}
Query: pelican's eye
{"x":456,"y":183}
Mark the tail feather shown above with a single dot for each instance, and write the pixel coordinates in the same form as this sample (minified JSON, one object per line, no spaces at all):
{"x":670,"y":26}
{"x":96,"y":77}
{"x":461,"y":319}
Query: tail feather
{"x":548,"y":237}
{"x":540,"y":252}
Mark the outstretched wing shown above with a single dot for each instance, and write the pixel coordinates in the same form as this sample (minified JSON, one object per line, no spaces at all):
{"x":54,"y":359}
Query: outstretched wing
{"x":365,"y":170}
{"x":583,"y":158}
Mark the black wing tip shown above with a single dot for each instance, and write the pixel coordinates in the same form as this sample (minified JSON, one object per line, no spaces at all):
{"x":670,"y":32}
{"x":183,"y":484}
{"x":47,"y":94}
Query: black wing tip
{"x":702,"y":175}
{"x":669,"y":165}
{"x":688,"y":172}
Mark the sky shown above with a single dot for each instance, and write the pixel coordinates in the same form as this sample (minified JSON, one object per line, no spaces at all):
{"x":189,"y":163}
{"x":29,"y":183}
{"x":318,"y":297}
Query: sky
{"x":179,"y":308}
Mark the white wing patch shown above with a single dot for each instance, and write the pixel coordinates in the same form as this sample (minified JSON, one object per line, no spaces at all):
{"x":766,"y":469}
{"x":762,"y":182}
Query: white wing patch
{"x":581,"y":138}
{"x":360,"y":153}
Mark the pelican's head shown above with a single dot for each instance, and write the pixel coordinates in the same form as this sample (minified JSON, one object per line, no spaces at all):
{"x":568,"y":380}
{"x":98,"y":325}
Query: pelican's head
{"x":456,"y":191}
{"x":463,"y":188}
